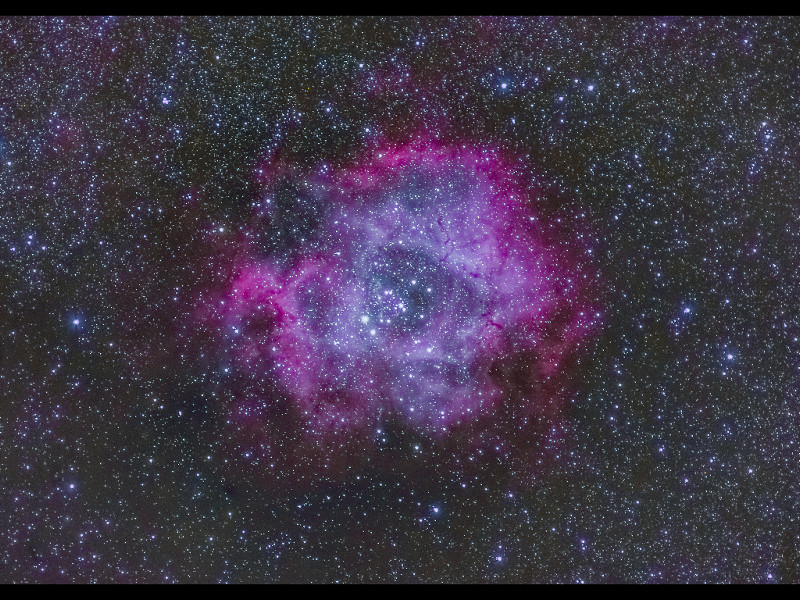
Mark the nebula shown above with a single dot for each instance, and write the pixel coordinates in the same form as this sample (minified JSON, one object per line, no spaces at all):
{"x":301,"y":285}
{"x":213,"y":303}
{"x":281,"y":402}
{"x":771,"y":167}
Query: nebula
{"x":416,"y":284}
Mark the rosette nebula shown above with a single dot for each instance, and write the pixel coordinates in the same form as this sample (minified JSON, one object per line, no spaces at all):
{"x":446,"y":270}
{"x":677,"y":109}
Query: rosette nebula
{"x":418,"y":286}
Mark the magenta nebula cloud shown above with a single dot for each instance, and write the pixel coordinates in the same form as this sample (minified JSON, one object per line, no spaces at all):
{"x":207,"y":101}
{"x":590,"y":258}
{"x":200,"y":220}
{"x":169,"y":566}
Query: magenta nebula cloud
{"x":427,"y":291}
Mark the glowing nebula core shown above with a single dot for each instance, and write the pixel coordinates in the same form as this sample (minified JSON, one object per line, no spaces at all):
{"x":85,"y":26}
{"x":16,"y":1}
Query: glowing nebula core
{"x":424,"y":289}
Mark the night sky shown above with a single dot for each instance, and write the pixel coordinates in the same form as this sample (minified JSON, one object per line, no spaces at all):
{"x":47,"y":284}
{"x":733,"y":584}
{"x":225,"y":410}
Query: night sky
{"x":399,"y":300}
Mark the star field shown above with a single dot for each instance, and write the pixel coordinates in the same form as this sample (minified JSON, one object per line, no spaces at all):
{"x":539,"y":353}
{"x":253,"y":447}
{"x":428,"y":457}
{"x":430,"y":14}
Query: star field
{"x":336,"y":299}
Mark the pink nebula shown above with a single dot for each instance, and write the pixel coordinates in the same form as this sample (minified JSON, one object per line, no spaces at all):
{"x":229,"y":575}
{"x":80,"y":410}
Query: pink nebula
{"x":426,"y":290}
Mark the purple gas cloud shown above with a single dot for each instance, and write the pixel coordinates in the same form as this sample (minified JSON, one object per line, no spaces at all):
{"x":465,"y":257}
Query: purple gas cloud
{"x":425,"y":290}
